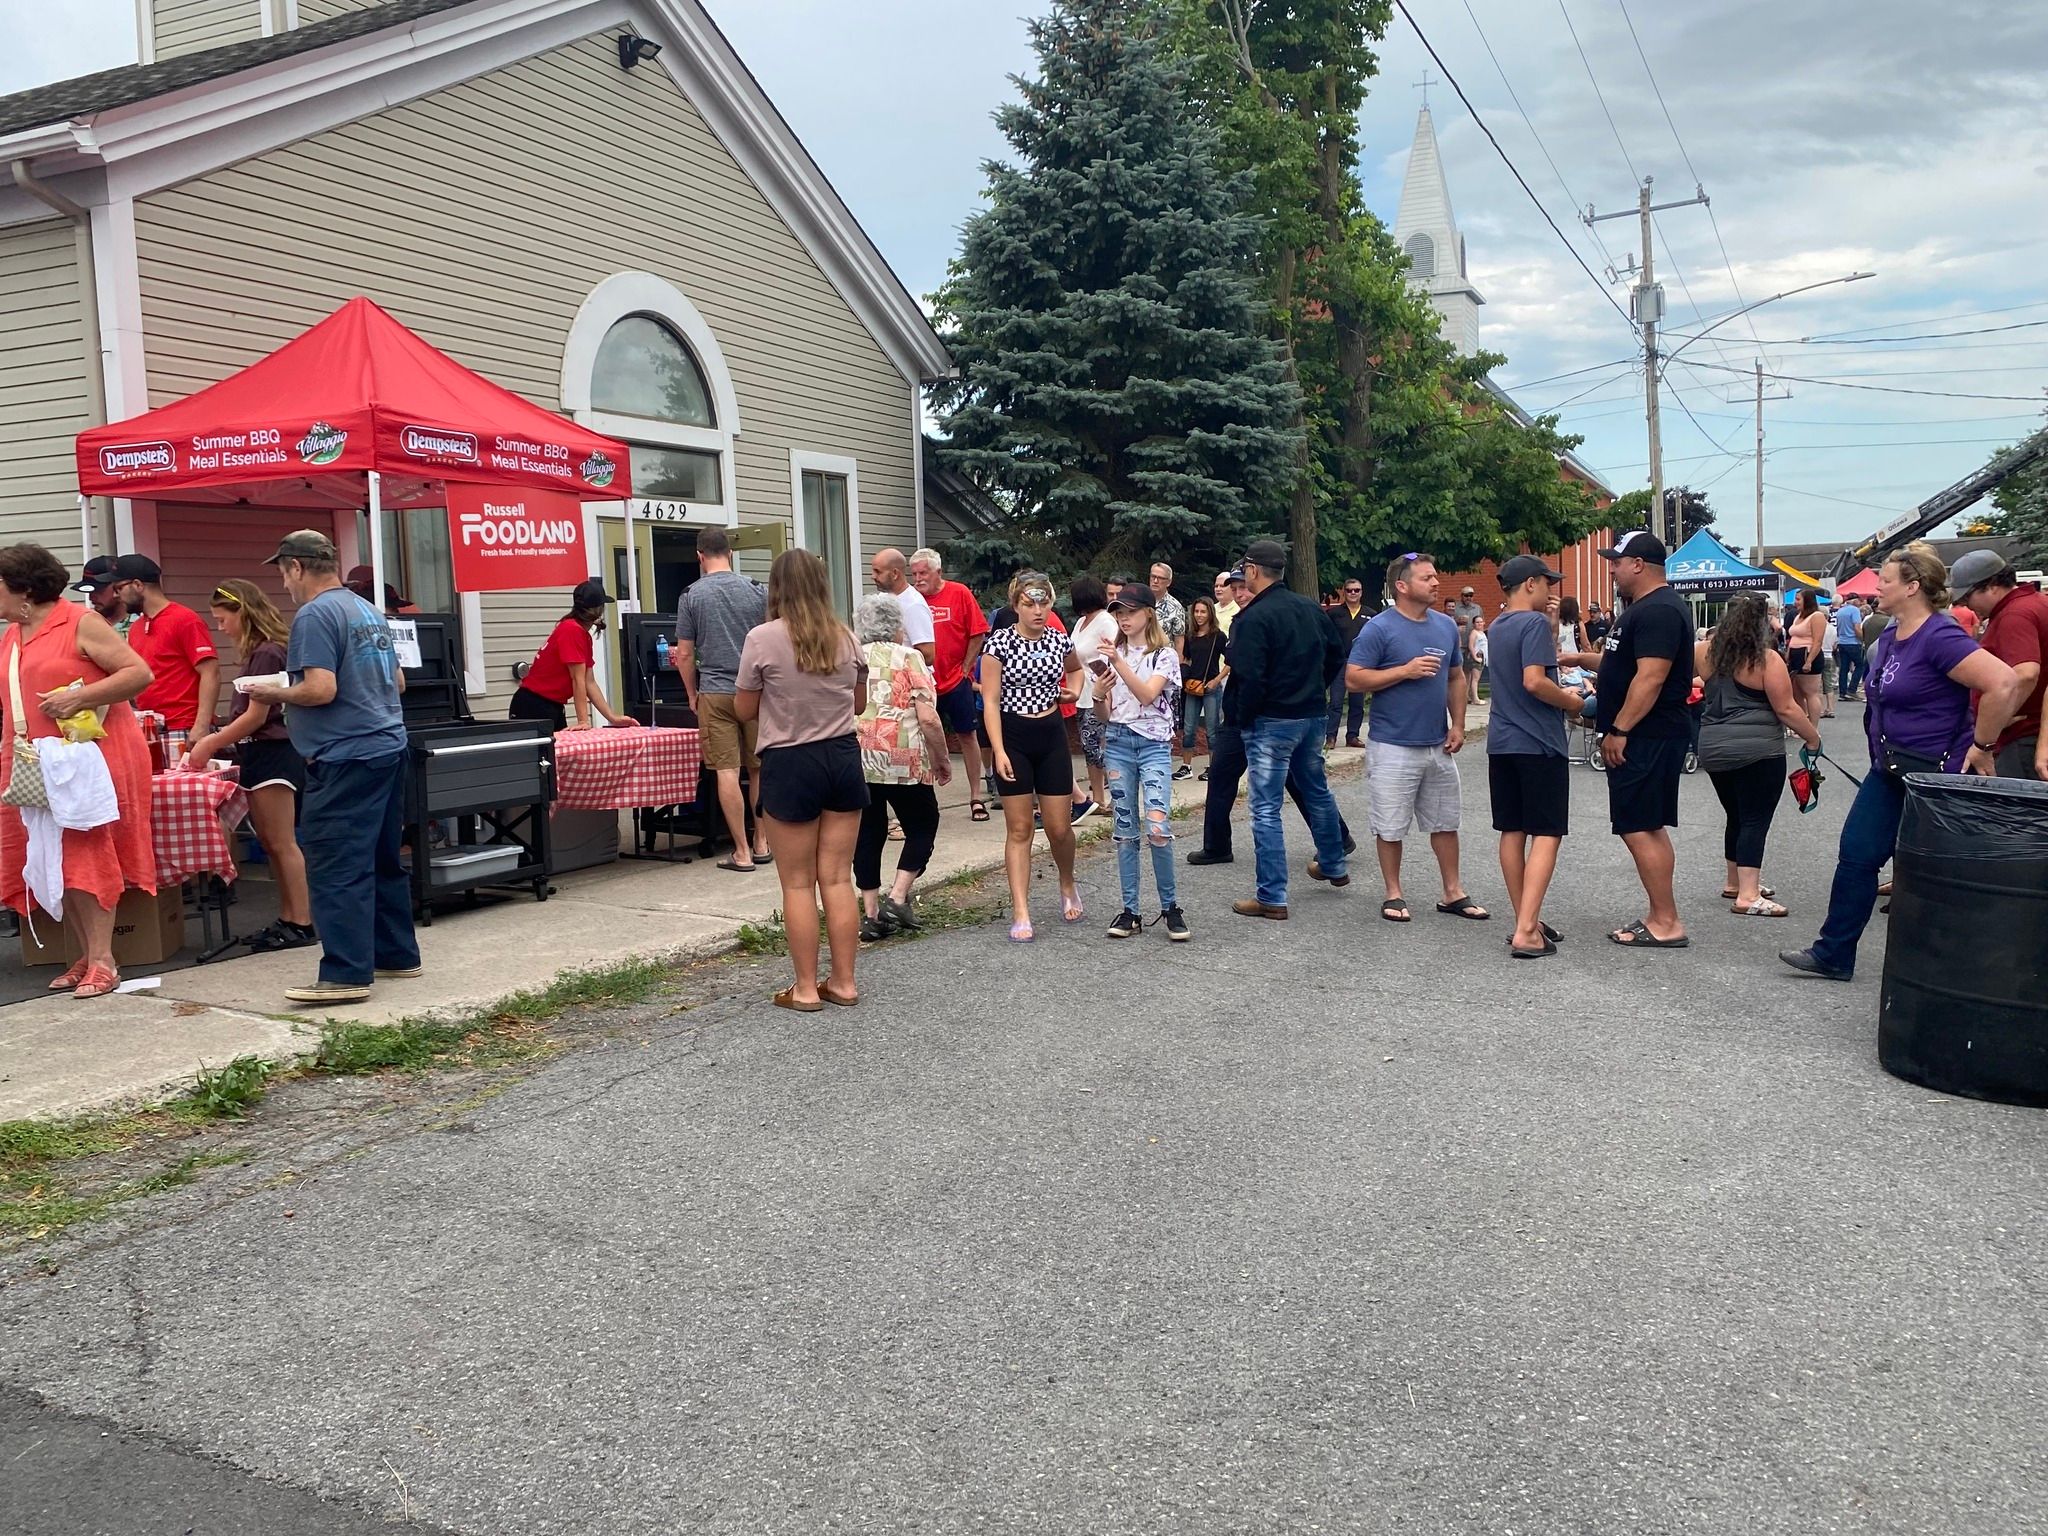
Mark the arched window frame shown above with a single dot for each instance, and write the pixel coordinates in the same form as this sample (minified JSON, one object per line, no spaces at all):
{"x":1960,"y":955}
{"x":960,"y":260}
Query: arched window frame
{"x":619,"y":297}
{"x":1427,"y":245}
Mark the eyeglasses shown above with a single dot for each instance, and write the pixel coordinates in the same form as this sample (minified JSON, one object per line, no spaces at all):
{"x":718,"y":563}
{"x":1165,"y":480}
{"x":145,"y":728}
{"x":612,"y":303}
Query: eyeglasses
{"x":223,"y":598}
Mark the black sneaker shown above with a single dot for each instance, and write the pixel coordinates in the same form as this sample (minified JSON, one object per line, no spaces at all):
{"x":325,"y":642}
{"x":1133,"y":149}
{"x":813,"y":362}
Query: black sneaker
{"x":875,"y":929}
{"x":1126,"y":925}
{"x":1204,"y":856}
{"x":1184,"y":771}
{"x":1176,"y":926}
{"x":899,"y":914}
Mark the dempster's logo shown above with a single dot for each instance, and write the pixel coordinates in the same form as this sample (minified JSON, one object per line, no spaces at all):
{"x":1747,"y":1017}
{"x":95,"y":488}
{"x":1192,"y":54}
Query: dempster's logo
{"x":138,"y":459}
{"x":434,"y":443}
{"x":597,"y":470}
{"x":322,"y":444}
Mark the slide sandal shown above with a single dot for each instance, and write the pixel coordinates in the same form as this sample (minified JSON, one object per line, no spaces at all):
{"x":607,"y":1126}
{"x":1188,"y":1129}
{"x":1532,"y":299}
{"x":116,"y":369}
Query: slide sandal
{"x":1549,"y":948}
{"x":1550,"y":936}
{"x":977,"y":810}
{"x":738,"y":869}
{"x":786,"y":998}
{"x":1021,"y":933}
{"x":1640,"y":937}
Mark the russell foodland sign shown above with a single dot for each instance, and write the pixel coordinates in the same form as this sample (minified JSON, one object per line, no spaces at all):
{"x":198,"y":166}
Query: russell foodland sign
{"x":504,"y":538}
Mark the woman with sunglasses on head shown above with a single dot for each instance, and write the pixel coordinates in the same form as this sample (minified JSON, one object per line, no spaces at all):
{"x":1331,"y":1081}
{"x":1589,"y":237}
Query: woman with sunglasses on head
{"x":1027,"y":671}
{"x":272,"y":771}
{"x":1917,"y":719}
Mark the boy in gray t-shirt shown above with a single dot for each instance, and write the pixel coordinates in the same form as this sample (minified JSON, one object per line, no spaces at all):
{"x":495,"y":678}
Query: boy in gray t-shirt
{"x":718,"y":611}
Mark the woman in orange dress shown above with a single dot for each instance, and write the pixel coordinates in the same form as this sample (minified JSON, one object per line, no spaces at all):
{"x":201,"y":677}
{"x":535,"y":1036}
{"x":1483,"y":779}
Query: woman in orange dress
{"x":71,"y":659}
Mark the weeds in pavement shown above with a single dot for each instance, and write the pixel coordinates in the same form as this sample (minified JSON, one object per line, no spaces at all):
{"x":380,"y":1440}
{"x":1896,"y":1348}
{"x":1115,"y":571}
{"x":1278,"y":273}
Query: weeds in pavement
{"x":225,"y":1093}
{"x":769,"y":938}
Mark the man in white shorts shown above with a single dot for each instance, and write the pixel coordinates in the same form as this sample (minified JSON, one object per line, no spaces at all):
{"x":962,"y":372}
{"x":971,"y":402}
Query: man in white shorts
{"x":1408,"y":657}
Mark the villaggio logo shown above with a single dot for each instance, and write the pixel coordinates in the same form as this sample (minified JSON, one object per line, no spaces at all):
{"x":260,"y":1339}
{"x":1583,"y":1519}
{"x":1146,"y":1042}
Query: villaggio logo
{"x":597,"y":470}
{"x":434,"y":443}
{"x":138,"y":459}
{"x":322,"y":444}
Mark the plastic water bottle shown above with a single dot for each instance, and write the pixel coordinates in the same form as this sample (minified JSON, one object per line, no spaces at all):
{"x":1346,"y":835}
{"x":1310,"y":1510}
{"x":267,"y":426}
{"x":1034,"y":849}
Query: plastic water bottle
{"x":661,"y":653}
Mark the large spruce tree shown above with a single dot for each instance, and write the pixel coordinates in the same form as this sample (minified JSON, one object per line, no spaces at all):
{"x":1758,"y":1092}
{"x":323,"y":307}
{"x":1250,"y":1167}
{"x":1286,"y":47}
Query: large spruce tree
{"x":1120,"y":394}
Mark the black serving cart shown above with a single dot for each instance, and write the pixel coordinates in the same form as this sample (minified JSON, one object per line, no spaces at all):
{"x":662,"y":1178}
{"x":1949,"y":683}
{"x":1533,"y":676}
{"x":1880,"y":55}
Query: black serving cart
{"x":477,"y":791}
{"x":654,"y":695}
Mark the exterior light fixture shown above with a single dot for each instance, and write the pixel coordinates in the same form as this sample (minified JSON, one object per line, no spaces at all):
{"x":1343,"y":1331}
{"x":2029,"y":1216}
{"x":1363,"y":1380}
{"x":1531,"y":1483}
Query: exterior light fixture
{"x":633,"y":49}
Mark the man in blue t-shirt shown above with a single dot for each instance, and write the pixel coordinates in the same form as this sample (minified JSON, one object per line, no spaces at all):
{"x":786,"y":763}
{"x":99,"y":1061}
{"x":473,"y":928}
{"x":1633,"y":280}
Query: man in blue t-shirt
{"x":342,"y":710}
{"x":1848,"y":622}
{"x":1408,"y":657}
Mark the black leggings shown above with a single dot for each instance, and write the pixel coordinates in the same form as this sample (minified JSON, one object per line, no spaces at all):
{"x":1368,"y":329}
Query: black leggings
{"x":917,"y":807}
{"x":1750,"y":796}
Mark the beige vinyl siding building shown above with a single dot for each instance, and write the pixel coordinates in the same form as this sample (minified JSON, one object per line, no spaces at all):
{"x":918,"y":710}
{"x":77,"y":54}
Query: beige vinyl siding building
{"x":311,"y":11}
{"x":482,"y":216}
{"x":45,"y":399}
{"x":186,"y":26}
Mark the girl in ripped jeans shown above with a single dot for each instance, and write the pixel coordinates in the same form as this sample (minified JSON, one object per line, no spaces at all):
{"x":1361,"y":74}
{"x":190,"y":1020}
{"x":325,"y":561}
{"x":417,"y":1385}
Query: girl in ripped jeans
{"x":1142,"y":673}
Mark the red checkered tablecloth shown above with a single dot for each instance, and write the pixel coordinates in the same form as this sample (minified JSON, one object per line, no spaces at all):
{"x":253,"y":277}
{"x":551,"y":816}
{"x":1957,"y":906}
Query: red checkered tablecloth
{"x":623,"y":768}
{"x":190,"y":815}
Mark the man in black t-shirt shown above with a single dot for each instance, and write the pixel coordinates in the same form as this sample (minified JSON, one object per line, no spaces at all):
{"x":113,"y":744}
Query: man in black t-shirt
{"x":1645,"y":675}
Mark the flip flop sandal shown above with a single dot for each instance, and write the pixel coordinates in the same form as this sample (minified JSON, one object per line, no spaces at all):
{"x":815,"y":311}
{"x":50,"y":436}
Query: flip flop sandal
{"x":1394,"y":910}
{"x":70,"y":978}
{"x":1642,"y":938}
{"x":836,"y":1000}
{"x":763,"y":858}
{"x":1549,"y":948}
{"x":1550,"y":936}
{"x":1021,"y":933}
{"x":977,"y":810}
{"x":99,"y":981}
{"x":1764,"y":889}
{"x":1763,"y":906}
{"x":738,"y":869}
{"x":1464,"y":906}
{"x":786,"y":998}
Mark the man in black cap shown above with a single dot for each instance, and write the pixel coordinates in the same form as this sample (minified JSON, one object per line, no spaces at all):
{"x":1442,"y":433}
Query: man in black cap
{"x":184,"y":667}
{"x":101,"y":584}
{"x":1284,"y":653}
{"x":1645,"y":676}
{"x":342,"y":709}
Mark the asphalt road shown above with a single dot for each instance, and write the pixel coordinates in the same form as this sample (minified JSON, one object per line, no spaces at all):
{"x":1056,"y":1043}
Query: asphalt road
{"x":1326,"y":1226}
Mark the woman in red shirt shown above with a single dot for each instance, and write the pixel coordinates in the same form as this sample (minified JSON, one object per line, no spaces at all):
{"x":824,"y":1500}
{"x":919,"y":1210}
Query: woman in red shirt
{"x":560,"y":675}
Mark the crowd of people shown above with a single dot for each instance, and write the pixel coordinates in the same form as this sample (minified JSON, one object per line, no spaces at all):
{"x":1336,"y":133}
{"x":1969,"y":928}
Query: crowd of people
{"x":828,"y":741}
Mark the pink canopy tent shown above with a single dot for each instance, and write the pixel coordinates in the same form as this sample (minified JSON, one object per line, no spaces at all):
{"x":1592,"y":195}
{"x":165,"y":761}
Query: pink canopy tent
{"x":1862,"y":584}
{"x":357,"y":411}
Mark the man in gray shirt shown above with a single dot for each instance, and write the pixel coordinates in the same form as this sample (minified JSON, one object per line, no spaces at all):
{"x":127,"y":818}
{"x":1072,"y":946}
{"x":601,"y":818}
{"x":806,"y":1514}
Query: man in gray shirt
{"x":718,"y":610}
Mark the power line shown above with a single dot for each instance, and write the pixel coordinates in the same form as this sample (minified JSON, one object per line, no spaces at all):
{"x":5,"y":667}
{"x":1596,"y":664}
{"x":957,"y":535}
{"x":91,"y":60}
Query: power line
{"x":1968,"y":314}
{"x":1786,"y":490}
{"x":1872,"y":341}
{"x":1551,"y":378}
{"x":1520,"y":180}
{"x":1881,"y":389}
{"x":1598,"y":94}
{"x":1894,"y":373}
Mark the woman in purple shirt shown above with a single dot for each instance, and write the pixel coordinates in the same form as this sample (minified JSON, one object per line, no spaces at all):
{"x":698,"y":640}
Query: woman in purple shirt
{"x":1917,"y":716}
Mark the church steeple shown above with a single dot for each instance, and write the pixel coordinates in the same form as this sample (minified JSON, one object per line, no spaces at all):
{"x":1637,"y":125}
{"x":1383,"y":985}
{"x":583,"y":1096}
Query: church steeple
{"x":1427,"y":231}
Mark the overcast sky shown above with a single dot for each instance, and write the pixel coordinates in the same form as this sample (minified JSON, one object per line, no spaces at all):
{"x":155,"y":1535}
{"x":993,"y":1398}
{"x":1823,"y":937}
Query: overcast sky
{"x":1832,"y":137}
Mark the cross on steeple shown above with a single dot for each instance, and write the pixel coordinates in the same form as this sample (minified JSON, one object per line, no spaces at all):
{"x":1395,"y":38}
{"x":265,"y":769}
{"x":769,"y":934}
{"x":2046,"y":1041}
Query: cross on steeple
{"x":1424,"y":84}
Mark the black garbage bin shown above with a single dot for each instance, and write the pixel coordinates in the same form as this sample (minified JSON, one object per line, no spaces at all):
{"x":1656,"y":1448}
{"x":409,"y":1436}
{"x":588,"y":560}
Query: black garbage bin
{"x":1964,"y":1007}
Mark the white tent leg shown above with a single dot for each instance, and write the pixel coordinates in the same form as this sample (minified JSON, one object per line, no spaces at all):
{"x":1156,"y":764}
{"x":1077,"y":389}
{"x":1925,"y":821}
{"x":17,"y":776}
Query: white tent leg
{"x":632,"y":592}
{"x":85,"y":527}
{"x":376,"y":540}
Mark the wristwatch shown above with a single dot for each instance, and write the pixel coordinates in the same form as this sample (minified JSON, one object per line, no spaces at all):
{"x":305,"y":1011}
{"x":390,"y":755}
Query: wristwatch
{"x":1615,"y":730}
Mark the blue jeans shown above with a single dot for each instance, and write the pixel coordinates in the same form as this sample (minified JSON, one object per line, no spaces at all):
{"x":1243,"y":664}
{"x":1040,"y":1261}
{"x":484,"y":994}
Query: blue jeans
{"x":1343,"y":701}
{"x":1869,"y":834}
{"x":1276,"y":750}
{"x":1848,"y":669}
{"x":351,"y":822}
{"x":1140,"y":774}
{"x":1206,"y":711}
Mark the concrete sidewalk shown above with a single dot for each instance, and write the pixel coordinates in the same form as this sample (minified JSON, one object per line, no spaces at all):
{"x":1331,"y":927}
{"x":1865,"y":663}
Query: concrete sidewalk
{"x":62,"y":1057}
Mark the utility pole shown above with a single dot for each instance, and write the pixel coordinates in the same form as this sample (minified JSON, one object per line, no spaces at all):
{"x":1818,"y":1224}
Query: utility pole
{"x":1756,"y":550}
{"x":1648,"y":306}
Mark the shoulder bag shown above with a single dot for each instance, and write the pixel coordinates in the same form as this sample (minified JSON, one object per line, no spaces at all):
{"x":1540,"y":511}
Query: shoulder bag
{"x":25,"y":790}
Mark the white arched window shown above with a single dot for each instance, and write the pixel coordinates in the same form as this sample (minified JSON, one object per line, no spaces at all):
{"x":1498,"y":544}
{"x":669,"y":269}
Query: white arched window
{"x":642,"y":365}
{"x":1421,"y":255}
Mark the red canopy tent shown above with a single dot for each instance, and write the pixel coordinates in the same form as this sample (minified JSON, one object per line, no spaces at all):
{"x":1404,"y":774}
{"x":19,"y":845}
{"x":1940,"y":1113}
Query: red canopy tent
{"x":357,"y":411}
{"x":1862,"y":584}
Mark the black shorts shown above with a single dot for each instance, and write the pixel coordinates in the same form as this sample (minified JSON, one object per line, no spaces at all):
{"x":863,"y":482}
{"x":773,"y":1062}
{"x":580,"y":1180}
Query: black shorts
{"x":1532,"y":793}
{"x":528,"y":705}
{"x":800,"y":783}
{"x":270,"y":762}
{"x":959,"y":709}
{"x":1037,"y":750}
{"x":1642,"y":794}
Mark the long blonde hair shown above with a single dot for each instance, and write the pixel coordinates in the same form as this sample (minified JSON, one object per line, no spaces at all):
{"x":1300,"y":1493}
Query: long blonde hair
{"x":800,"y":596}
{"x":1155,"y":637}
{"x":262,"y":624}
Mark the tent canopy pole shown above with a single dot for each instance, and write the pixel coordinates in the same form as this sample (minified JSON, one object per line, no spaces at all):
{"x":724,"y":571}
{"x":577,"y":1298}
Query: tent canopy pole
{"x":377,"y":581}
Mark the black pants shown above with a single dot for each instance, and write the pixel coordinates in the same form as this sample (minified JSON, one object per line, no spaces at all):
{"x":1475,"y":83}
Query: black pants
{"x":1750,"y":796}
{"x":350,"y":825}
{"x":1226,"y":773}
{"x":528,"y":705}
{"x":917,"y":807}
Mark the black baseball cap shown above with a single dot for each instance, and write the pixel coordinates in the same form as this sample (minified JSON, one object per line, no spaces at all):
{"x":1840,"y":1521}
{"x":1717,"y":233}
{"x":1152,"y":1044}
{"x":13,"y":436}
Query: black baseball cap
{"x":138,"y":568}
{"x":1522,"y":567}
{"x":589,"y":594}
{"x":100,"y":572}
{"x":1638,"y":544}
{"x":1133,"y":594}
{"x":1270,"y":553}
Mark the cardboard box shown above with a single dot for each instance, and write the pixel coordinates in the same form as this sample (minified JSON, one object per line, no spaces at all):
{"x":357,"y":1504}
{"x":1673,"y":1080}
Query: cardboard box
{"x":148,"y":929}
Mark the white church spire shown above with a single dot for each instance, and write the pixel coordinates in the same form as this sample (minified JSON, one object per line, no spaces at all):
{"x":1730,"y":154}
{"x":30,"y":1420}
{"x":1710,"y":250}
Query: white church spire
{"x":1427,"y":231}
